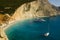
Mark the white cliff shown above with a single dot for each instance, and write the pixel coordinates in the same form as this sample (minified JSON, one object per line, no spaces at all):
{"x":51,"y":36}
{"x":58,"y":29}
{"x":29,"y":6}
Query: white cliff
{"x":38,"y":8}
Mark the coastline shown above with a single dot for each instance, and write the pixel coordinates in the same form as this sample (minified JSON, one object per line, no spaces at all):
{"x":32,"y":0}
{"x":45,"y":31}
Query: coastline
{"x":14,"y":21}
{"x":3,"y":36}
{"x":17,"y":20}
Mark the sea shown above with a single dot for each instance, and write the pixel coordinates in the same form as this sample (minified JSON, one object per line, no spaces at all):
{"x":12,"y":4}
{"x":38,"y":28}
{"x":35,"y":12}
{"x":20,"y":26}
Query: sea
{"x":33,"y":29}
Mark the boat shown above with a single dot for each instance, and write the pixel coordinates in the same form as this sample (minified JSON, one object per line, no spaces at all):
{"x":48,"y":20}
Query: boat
{"x":46,"y":34}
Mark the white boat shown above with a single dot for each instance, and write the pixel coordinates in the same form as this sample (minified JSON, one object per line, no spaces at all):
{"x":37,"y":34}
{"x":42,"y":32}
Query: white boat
{"x":46,"y":34}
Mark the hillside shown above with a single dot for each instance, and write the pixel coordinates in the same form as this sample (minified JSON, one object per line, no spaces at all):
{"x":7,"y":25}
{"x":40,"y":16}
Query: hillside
{"x":38,"y":8}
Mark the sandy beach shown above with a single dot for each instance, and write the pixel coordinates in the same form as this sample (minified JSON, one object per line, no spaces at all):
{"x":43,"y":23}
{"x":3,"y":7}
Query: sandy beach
{"x":5,"y":26}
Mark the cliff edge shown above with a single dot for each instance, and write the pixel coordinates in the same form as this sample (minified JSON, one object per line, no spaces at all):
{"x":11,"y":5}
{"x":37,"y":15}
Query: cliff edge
{"x":37,"y":8}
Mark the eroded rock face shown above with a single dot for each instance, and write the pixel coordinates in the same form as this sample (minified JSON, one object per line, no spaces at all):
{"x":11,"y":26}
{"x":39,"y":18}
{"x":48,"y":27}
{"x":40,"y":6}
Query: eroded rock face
{"x":2,"y":35}
{"x":38,"y":8}
{"x":4,"y":18}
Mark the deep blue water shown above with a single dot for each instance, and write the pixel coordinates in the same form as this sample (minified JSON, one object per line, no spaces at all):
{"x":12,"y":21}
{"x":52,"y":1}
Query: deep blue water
{"x":34,"y":30}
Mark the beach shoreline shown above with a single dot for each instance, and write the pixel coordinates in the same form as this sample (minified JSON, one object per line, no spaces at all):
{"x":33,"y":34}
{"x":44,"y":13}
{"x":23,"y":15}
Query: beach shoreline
{"x":13,"y":22}
{"x":18,"y":20}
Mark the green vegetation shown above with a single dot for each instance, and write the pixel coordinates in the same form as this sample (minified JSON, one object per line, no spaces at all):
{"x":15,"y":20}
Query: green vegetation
{"x":14,"y":4}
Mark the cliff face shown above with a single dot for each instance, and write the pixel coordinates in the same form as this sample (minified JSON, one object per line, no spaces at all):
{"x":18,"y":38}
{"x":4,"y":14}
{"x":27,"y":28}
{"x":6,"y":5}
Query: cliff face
{"x":38,"y":8}
{"x":4,"y":18}
{"x":2,"y":35}
{"x":31,"y":9}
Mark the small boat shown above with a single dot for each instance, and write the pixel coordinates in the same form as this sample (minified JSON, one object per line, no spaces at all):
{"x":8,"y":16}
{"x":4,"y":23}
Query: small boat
{"x":46,"y":34}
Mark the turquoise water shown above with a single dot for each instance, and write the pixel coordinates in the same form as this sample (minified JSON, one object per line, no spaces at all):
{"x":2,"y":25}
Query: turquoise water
{"x":34,"y":30}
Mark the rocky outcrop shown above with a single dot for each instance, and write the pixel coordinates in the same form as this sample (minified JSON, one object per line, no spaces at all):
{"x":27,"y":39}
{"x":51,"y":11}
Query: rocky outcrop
{"x":2,"y":34}
{"x":37,"y":8}
{"x":4,"y":18}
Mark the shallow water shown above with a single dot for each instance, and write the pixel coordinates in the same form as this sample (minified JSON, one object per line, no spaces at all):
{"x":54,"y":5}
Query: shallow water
{"x":34,"y":30}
